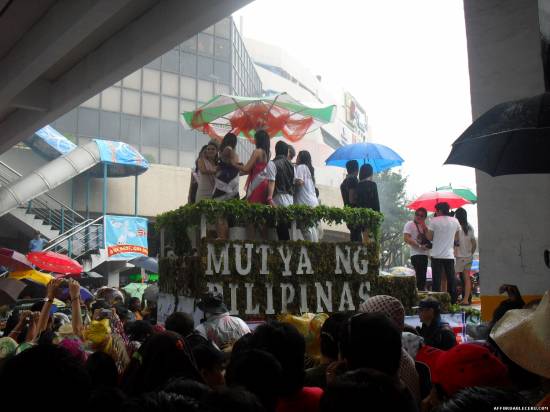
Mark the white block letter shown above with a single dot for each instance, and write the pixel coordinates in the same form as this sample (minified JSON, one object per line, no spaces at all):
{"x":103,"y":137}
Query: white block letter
{"x":303,"y":298}
{"x":364,"y":290}
{"x":361,"y":267}
{"x":233,"y":288}
{"x":287,"y":296}
{"x":346,"y":301}
{"x":263,"y":249}
{"x":325,"y":297}
{"x":304,"y":263}
{"x":213,"y":260}
{"x":249,"y":309}
{"x":238,"y":260}
{"x":269,"y":301}
{"x":286,"y":259}
{"x":344,"y":259}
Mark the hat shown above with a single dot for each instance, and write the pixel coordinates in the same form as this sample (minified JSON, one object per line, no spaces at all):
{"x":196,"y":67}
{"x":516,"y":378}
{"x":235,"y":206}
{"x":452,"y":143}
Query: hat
{"x":388,"y":305}
{"x":467,"y":365}
{"x":524,"y":337}
{"x":7,"y":347}
{"x":212,"y":302}
{"x":65,"y":330}
{"x":429,"y":303}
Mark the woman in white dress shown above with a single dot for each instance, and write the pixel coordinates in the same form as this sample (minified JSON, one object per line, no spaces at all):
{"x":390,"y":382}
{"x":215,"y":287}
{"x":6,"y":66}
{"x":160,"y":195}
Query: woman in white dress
{"x":207,"y":172}
{"x":305,"y":194}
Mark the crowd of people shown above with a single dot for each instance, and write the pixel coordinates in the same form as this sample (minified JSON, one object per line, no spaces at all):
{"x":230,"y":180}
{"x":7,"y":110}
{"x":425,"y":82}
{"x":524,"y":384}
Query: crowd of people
{"x":273,"y":181}
{"x":370,"y":359}
{"x":449,"y":241}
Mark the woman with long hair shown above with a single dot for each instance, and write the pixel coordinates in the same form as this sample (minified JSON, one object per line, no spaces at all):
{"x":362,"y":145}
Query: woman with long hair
{"x":194,"y":181}
{"x":256,"y":184}
{"x":464,"y":253}
{"x":304,"y":180}
{"x":207,"y":172}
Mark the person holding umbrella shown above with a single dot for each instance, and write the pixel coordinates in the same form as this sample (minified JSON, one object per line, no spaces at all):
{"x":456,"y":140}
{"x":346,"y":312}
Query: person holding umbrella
{"x":443,"y":232}
{"x":348,"y":189}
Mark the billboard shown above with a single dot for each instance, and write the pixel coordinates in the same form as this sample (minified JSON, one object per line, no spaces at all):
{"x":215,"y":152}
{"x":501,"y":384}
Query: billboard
{"x":355,"y":115}
{"x":125,"y":237}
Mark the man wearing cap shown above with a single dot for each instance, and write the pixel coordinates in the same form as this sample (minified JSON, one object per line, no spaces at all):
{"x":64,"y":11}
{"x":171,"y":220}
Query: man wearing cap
{"x":219,"y":327}
{"x":435,"y":333}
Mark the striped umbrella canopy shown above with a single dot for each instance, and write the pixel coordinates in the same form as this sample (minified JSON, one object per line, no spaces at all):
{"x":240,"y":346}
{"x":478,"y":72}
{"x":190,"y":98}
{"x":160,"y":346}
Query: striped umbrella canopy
{"x":464,"y":192}
{"x":278,"y":115}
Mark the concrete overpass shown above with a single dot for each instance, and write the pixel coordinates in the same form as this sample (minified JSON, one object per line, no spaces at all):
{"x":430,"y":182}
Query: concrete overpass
{"x":56,"y":54}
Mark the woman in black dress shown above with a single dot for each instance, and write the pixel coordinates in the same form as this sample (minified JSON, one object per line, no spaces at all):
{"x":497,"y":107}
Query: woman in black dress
{"x":367,"y":193}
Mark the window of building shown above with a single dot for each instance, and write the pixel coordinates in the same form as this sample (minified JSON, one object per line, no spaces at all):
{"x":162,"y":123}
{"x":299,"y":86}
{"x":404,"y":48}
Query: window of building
{"x":187,"y":106}
{"x":188,"y":64}
{"x":151,"y":153}
{"x":205,"y":67}
{"x":67,"y":122}
{"x":150,"y":132}
{"x":130,"y":102}
{"x":223,"y":28}
{"x":222,"y":48}
{"x":133,"y":81}
{"x":221,"y":89}
{"x":209,"y":30}
{"x":171,"y":61}
{"x":151,"y":80}
{"x":170,"y":84}
{"x":222,"y":71}
{"x":130,"y":129}
{"x":155,"y":64}
{"x":205,"y":92}
{"x":205,"y":44}
{"x":88,"y":122}
{"x":110,"y":99}
{"x":151,"y":105}
{"x":92,"y":103}
{"x":168,"y":134}
{"x":168,"y":157}
{"x":169,"y":109}
{"x":190,"y":44}
{"x":109,"y":125}
{"x":188,"y":87}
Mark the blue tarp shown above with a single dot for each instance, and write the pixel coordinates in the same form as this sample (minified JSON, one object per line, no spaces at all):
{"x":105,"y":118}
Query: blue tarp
{"x":121,"y":158}
{"x":50,"y":143}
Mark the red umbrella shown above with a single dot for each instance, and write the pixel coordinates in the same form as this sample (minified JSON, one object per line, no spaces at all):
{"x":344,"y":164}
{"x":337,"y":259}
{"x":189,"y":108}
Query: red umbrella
{"x":430,"y":199}
{"x":13,"y":260}
{"x":55,"y":262}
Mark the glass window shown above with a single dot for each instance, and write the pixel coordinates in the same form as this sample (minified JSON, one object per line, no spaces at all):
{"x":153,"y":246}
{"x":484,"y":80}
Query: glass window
{"x":149,"y":132}
{"x":130,"y":102}
{"x":133,"y":81}
{"x":188,"y":141}
{"x":222,"y":89}
{"x":187,"y":106}
{"x":205,"y":91}
{"x":155,"y":64}
{"x":92,"y":103}
{"x":222,"y":71}
{"x":151,"y":80}
{"x":88,"y":122}
{"x":190,"y":44}
{"x":151,"y":153}
{"x":188,"y":64}
{"x":206,"y":67}
{"x":130,"y":129}
{"x":222,"y":48}
{"x":168,"y":157}
{"x":67,"y":122}
{"x":151,"y":105}
{"x":110,"y":99}
{"x":206,"y":44}
{"x":209,"y":30}
{"x":109,"y":125}
{"x":188,"y":87}
{"x":169,"y":109}
{"x":170,"y":84}
{"x":171,"y":62}
{"x":168,"y":134}
{"x":223,"y":28}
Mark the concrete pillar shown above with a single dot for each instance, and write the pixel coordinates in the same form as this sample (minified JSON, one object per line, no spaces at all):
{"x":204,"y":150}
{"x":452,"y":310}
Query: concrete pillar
{"x":513,"y":211}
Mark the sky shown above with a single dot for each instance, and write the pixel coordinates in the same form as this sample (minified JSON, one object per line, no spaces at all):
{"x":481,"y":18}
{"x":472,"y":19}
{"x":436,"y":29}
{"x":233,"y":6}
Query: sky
{"x":404,"y":61}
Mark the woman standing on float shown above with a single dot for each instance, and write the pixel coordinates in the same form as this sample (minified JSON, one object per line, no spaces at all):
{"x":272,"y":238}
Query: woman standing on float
{"x":256,"y":184}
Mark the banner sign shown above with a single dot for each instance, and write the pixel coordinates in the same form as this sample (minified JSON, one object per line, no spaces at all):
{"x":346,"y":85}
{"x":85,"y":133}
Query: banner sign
{"x":259,"y":278}
{"x":125,"y":237}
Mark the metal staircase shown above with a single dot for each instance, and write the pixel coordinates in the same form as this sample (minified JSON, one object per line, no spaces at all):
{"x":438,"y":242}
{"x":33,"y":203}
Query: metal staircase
{"x":65,"y":229}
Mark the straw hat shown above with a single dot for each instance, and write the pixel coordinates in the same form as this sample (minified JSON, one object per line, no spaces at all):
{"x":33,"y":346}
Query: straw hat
{"x":524,"y":336}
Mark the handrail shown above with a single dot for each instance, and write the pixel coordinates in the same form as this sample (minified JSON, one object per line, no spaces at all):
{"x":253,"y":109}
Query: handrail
{"x":63,"y":237}
{"x":63,"y":205}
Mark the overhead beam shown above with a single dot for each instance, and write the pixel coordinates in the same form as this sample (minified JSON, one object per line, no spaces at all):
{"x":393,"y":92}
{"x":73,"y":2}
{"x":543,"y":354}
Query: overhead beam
{"x":164,"y":26}
{"x":34,"y":97}
{"x":61,"y":29}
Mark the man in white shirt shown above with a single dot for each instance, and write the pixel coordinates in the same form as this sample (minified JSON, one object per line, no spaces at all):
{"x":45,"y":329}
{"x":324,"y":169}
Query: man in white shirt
{"x":414,"y":235}
{"x":443,"y":232}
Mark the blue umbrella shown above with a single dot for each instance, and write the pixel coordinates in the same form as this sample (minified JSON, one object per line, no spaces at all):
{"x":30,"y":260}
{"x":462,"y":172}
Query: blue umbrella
{"x":380,"y":157}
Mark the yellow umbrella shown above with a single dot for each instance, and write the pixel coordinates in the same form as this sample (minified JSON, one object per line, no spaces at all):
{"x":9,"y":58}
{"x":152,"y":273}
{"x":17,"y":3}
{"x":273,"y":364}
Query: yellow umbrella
{"x":31,"y":274}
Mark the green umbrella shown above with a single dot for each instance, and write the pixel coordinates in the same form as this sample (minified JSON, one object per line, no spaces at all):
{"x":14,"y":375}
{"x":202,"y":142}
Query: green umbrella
{"x":135,"y":290}
{"x":463,"y":192}
{"x":278,"y":115}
